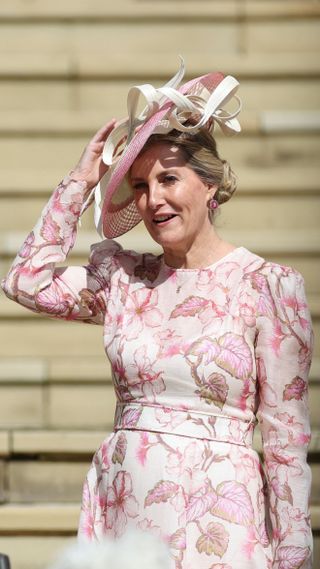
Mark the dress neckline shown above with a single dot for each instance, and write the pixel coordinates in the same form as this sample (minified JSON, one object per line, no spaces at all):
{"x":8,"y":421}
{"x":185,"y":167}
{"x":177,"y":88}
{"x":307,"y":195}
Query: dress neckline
{"x":208,"y":267}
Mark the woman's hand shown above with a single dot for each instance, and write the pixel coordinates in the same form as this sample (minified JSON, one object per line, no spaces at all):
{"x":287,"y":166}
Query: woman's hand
{"x":91,"y":167}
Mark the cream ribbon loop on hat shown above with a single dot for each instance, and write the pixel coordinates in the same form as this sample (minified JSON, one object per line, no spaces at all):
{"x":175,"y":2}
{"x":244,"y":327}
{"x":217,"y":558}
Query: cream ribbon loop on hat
{"x":204,"y":104}
{"x":127,"y":127}
{"x":210,"y":108}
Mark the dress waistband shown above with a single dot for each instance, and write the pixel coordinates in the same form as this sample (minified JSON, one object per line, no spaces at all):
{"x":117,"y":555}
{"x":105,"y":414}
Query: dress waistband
{"x":184,"y":422}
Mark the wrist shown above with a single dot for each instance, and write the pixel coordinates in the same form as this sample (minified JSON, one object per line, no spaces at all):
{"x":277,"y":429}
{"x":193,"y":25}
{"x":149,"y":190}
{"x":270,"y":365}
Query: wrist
{"x":81,"y":180}
{"x":78,"y":175}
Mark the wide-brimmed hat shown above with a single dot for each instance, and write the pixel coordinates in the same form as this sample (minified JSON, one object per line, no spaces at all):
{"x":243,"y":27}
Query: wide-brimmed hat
{"x":168,"y":107}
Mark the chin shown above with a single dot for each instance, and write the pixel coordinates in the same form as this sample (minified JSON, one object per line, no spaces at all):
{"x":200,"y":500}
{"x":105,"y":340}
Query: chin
{"x":165,"y":235}
{"x":166,"y":242}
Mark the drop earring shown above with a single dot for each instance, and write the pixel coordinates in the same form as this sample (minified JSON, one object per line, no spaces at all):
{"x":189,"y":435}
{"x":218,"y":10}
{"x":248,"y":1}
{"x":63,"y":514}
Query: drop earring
{"x":213,"y":204}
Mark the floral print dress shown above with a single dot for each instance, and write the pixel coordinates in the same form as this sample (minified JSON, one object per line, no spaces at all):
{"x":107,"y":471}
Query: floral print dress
{"x":198,"y":356}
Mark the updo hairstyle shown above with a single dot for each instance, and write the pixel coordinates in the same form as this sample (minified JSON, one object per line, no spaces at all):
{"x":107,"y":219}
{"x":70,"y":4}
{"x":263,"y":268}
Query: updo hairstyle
{"x":201,"y":155}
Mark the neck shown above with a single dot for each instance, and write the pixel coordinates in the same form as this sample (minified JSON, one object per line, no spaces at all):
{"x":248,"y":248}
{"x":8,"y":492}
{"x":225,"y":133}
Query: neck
{"x":198,"y":256}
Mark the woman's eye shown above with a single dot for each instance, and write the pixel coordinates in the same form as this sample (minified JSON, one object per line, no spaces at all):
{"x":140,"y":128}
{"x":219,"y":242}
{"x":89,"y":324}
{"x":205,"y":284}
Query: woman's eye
{"x":169,"y":179}
{"x":140,"y":186}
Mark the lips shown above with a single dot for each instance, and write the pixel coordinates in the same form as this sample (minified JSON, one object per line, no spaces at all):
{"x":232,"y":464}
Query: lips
{"x":163,"y":218}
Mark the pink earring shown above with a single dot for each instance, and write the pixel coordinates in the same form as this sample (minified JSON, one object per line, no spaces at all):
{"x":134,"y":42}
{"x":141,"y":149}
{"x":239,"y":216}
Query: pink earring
{"x":213,"y":204}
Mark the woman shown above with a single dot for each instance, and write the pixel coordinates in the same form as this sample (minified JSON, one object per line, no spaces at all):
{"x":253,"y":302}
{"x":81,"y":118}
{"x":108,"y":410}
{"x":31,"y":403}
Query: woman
{"x":203,"y":340}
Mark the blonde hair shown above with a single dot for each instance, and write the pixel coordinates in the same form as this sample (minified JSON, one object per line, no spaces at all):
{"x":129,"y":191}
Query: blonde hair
{"x":201,"y":154}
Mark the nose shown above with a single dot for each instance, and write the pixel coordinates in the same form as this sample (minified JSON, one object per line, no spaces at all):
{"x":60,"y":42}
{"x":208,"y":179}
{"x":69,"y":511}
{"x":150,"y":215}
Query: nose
{"x":155,"y":195}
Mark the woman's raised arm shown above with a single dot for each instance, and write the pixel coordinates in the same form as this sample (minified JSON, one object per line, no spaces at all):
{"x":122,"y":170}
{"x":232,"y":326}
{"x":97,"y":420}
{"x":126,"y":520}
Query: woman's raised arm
{"x":75,"y":293}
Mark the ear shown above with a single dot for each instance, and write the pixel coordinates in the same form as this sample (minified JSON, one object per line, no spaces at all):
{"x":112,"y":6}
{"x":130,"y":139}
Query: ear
{"x":211,"y":190}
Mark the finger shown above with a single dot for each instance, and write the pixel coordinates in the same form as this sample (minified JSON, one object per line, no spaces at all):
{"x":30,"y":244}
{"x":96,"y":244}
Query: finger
{"x":104,"y":131}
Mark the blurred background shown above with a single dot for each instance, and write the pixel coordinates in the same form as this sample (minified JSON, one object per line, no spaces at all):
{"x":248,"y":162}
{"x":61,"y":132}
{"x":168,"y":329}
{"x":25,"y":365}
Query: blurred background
{"x":65,"y":68}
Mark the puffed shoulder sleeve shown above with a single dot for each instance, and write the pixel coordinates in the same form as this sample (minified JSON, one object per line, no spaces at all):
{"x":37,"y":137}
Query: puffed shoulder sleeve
{"x":71,"y":293}
{"x":283,"y":355}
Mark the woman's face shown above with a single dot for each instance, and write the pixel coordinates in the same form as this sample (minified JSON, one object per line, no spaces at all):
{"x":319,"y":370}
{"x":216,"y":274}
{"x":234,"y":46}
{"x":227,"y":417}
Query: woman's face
{"x":171,"y":198}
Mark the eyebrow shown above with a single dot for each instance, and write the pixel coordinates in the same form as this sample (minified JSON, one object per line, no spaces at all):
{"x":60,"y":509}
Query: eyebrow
{"x":136,"y":179}
{"x":172,"y":170}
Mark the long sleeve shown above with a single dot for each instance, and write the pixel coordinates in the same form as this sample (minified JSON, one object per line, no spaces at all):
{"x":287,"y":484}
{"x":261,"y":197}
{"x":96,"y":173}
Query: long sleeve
{"x":71,"y":293}
{"x":283,"y":353}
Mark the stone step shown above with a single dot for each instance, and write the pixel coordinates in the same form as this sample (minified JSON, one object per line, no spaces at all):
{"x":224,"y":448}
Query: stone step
{"x":44,"y":385}
{"x":46,"y":443}
{"x":301,"y":252}
{"x":9,"y":309}
{"x":299,"y":213}
{"x":51,"y":338}
{"x":61,"y":481}
{"x":36,"y":552}
{"x":33,"y":551}
{"x":271,"y":155}
{"x":263,"y":242}
{"x":45,"y":92}
{"x":57,"y":406}
{"x":62,"y":370}
{"x":80,"y":405}
{"x":283,"y":8}
{"x":108,"y":11}
{"x":31,"y":184}
{"x":67,"y":370}
{"x":61,"y":518}
{"x":58,"y":473}
{"x":31,"y":389}
{"x":40,"y":518}
{"x":5,"y":443}
{"x":59,"y":443}
{"x":38,"y":123}
{"x":42,"y":57}
{"x":99,"y":10}
{"x":13,"y":310}
{"x":82,"y":38}
{"x":41,"y":481}
{"x":77,"y":406}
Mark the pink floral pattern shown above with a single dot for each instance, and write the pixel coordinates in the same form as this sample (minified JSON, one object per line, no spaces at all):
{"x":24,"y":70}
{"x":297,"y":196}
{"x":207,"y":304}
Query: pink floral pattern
{"x":119,"y":503}
{"x":197,"y":356}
